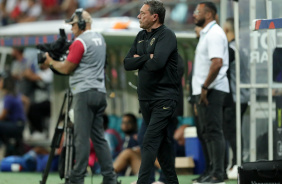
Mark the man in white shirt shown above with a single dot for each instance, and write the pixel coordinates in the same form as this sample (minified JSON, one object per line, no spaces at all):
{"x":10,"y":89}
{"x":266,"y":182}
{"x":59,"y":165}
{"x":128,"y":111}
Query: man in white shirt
{"x":210,"y":85}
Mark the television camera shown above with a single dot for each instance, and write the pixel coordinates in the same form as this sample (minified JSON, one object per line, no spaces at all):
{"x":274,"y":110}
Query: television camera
{"x":57,"y":50}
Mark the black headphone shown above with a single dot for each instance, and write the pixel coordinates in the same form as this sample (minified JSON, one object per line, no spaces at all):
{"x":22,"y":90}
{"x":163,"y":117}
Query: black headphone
{"x":81,"y":22}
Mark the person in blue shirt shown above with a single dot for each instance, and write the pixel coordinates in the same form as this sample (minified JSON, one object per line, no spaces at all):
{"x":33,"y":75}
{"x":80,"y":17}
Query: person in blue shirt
{"x":130,"y":154}
{"x":12,"y":117}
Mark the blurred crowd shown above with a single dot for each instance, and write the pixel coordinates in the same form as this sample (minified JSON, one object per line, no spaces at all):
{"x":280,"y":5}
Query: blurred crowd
{"x":31,"y":81}
{"x":17,"y":11}
{"x":179,"y":14}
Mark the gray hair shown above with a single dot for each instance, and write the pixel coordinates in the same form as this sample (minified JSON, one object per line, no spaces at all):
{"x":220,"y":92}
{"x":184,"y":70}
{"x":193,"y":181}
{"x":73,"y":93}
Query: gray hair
{"x":156,"y":7}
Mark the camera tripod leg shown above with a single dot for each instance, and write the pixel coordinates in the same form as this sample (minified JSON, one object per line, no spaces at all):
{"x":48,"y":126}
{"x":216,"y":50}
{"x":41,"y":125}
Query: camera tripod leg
{"x":68,"y":144}
{"x":46,"y":170}
{"x":57,"y":136}
{"x":69,"y":153}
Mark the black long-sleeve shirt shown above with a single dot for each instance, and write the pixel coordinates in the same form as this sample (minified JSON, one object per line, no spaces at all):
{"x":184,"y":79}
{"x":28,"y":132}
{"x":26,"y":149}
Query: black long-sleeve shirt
{"x":157,"y":77}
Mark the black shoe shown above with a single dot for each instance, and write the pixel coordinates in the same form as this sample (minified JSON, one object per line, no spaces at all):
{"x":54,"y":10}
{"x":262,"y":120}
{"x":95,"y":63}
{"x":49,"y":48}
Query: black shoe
{"x":200,"y":178}
{"x":118,"y":182}
{"x":196,"y":179}
{"x":211,"y":180}
{"x":225,"y":176}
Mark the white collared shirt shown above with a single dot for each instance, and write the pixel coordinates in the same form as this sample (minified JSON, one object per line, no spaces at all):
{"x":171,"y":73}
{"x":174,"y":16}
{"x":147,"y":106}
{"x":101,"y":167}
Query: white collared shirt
{"x":212,"y":44}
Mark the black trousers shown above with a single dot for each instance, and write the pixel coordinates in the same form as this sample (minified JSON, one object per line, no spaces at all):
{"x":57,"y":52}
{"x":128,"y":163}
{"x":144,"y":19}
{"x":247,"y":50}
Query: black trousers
{"x":171,"y":128}
{"x":8,"y":130}
{"x":37,"y":113}
{"x":157,"y":141}
{"x":210,"y":123}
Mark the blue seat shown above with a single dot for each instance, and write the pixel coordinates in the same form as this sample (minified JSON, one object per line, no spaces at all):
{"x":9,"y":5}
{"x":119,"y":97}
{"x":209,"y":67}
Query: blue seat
{"x":115,"y":123}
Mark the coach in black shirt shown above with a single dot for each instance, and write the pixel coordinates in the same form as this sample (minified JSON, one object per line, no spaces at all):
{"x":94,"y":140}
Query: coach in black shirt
{"x":154,"y":55}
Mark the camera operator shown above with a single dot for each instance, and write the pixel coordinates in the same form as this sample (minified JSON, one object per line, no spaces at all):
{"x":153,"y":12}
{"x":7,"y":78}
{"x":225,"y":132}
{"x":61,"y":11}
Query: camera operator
{"x":85,"y":64}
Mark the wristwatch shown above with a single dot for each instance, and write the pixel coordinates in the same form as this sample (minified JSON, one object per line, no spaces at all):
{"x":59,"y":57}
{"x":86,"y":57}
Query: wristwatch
{"x":51,"y":65}
{"x":204,"y":87}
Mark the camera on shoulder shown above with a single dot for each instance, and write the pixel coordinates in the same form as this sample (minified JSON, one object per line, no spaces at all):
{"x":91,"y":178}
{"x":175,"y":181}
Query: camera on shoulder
{"x":58,"y":50}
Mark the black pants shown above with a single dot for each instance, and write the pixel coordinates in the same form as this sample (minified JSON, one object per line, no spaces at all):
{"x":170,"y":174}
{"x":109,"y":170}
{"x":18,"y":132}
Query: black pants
{"x":210,"y":123}
{"x":157,"y":141}
{"x":37,"y":113}
{"x":8,"y":130}
{"x":171,"y":128}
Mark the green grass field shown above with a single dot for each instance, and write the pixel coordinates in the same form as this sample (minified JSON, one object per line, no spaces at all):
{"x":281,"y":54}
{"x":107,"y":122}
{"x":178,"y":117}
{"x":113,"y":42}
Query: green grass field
{"x":53,"y":178}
